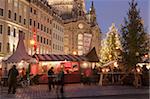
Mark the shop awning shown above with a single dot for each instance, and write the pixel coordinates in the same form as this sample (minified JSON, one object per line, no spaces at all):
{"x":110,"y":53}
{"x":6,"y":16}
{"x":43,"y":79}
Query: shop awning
{"x":55,"y":57}
{"x":20,"y":53}
{"x":92,"y":56}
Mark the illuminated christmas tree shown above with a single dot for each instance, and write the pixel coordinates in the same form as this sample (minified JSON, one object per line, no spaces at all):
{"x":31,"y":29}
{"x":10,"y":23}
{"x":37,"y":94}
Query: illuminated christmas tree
{"x":110,"y":45}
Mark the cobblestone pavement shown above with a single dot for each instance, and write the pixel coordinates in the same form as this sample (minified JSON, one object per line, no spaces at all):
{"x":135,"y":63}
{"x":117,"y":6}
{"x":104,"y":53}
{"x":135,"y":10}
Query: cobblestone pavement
{"x":74,"y":91}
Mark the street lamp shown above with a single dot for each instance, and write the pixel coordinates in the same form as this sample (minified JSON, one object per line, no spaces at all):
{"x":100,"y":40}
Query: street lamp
{"x":33,"y":43}
{"x":74,"y":53}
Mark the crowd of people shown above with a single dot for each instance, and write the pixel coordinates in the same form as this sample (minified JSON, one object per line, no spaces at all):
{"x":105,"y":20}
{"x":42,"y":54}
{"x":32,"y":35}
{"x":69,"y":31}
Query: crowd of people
{"x":89,"y":76}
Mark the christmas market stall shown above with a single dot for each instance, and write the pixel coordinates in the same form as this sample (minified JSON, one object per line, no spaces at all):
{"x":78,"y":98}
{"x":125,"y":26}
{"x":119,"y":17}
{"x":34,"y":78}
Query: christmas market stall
{"x":74,"y":65}
{"x":20,"y":57}
{"x":71,"y":65}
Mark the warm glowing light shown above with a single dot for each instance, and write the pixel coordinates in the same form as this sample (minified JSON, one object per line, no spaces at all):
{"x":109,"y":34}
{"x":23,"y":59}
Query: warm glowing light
{"x":110,"y":56}
{"x":32,"y":42}
{"x":117,"y":47}
{"x":74,"y":53}
{"x":148,"y":66}
{"x":115,"y":64}
{"x":138,"y":70}
{"x":146,"y":56}
{"x":103,"y":70}
{"x":107,"y":70}
{"x":85,"y":65}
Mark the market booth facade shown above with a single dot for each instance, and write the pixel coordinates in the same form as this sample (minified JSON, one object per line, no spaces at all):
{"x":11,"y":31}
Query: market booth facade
{"x":71,"y":64}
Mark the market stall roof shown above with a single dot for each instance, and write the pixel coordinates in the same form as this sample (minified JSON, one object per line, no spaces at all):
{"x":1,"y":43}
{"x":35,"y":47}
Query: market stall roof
{"x":109,"y":63}
{"x":20,"y":53}
{"x":92,"y":56}
{"x":56,"y":57}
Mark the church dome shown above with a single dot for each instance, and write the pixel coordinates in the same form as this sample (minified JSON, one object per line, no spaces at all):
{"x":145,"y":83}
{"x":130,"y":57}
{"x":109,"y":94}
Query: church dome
{"x":59,"y":2}
{"x":64,"y":6}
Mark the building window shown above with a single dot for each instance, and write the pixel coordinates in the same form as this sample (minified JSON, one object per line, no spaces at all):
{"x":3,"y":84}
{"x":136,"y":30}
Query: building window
{"x":44,"y":28}
{"x":50,"y":21}
{"x":53,"y":46}
{"x":15,"y":3}
{"x":35,"y":12}
{"x":47,"y":20}
{"x":30,"y":21}
{"x":20,"y":18}
{"x":14,"y":32}
{"x":1,"y":29}
{"x":38,"y":25}
{"x":50,"y":31}
{"x":15,"y":16}
{"x":50,"y":42}
{"x":1,"y":11}
{"x":41,"y":39}
{"x":9,"y":14}
{"x":44,"y":40}
{"x":24,"y":22}
{"x":0,"y":47}
{"x":47,"y":41}
{"x":13,"y":48}
{"x":8,"y":30}
{"x":8,"y":47}
{"x":34,"y":24}
{"x":47,"y":30}
{"x":31,"y":9}
{"x":41,"y":27}
{"x":37,"y":38}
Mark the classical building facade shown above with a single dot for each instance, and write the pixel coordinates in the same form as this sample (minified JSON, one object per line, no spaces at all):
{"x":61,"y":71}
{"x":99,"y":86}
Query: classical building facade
{"x":81,"y":31}
{"x":53,"y":26}
{"x":37,"y":19}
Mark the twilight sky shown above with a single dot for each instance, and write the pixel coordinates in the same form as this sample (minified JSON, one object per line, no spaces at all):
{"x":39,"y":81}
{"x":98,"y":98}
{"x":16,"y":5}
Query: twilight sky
{"x":109,"y":11}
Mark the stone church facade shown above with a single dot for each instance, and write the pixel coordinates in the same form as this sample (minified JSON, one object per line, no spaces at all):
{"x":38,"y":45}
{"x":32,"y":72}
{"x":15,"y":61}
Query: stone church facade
{"x":81,"y":31}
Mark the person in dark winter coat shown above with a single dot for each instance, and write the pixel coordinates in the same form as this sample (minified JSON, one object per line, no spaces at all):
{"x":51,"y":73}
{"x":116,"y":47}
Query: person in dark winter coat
{"x":12,"y":79}
{"x":50,"y":78}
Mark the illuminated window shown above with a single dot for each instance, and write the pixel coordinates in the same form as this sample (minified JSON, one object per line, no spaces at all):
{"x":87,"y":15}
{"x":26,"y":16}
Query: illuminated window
{"x":15,"y":3}
{"x":80,"y":47}
{"x":80,"y":52}
{"x":80,"y":37}
{"x":80,"y":42}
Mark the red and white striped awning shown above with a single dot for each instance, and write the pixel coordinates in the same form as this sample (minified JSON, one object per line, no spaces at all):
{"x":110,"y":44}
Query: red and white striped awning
{"x":55,"y":57}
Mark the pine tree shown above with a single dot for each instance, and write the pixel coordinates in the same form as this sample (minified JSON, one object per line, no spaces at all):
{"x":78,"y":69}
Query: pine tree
{"x":134,"y":39}
{"x":110,"y":45}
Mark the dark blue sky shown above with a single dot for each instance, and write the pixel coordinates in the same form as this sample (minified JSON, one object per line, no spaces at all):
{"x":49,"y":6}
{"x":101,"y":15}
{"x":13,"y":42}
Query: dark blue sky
{"x":109,"y":11}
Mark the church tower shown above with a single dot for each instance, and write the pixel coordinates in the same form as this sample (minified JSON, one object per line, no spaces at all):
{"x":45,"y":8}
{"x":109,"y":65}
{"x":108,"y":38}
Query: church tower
{"x":92,"y":15}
